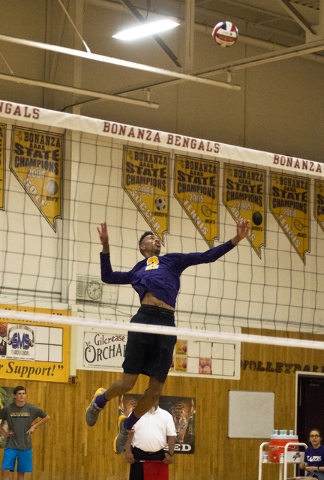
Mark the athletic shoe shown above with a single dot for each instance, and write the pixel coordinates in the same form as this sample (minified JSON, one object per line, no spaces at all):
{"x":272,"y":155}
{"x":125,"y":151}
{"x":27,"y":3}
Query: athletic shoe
{"x":92,"y":412}
{"x":119,"y":442}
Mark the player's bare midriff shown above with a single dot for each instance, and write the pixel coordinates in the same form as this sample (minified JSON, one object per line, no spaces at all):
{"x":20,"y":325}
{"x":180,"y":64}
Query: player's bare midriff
{"x":149,"y":299}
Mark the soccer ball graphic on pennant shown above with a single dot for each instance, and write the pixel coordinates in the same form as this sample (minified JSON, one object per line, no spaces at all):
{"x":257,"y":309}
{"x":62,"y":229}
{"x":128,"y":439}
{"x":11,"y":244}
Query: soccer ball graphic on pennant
{"x":160,"y":204}
{"x":225,"y":34}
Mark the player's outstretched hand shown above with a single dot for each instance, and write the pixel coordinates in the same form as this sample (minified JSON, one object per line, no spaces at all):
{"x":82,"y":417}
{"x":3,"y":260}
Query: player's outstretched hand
{"x":242,"y":231}
{"x":103,"y":235}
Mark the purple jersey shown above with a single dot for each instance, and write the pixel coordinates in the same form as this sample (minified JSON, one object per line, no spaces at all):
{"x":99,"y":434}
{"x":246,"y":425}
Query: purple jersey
{"x":315,"y":456}
{"x":160,"y":275}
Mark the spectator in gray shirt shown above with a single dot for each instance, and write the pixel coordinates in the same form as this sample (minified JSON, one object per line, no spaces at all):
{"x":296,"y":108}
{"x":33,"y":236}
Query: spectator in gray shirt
{"x":20,"y":417}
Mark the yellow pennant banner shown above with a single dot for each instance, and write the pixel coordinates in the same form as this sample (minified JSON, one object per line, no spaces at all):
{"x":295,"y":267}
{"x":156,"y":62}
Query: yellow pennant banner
{"x":2,"y":161}
{"x":244,"y":198}
{"x":34,"y":350}
{"x":196,"y":189}
{"x":289,"y":204}
{"x":146,"y":182}
{"x":36,"y":162}
{"x":319,"y":203}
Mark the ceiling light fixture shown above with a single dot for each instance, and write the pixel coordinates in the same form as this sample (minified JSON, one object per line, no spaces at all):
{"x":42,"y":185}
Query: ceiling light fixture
{"x":146,"y":29}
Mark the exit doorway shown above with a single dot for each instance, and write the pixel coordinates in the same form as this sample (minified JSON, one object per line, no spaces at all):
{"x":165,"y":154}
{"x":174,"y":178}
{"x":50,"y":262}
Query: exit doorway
{"x":309,"y":406}
{"x":310,"y":399}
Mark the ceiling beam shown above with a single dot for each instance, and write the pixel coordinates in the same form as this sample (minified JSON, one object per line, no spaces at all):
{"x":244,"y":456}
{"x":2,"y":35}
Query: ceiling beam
{"x":257,"y":60}
{"x":77,"y":91}
{"x":284,"y":53}
{"x":297,"y":16}
{"x":189,"y":35}
{"x":118,"y":61}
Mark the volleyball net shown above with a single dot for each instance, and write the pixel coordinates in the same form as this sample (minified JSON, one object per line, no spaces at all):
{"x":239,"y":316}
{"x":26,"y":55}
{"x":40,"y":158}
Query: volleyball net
{"x":63,"y":175}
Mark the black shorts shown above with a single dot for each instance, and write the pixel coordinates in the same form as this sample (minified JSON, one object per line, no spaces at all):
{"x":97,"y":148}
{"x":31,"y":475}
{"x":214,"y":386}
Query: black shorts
{"x":150,"y":353}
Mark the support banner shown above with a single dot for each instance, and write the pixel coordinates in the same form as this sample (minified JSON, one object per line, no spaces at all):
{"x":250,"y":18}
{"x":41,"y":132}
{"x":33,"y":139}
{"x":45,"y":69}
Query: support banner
{"x":244,"y":198}
{"x":34,"y":350}
{"x":2,"y":161}
{"x":196,"y":189}
{"x":319,"y":203}
{"x":146,"y":182}
{"x":36,"y":162}
{"x":289,"y":204}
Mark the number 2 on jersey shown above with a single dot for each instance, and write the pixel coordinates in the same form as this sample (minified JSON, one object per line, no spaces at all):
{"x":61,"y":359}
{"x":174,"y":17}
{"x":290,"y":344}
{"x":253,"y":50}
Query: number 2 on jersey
{"x":152,"y":263}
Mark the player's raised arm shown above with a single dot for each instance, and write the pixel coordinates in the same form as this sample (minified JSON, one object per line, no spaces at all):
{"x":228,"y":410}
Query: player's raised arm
{"x":103,"y":235}
{"x":242,"y":231}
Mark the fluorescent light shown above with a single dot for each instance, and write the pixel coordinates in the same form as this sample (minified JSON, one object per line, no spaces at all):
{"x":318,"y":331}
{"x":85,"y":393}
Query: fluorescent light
{"x":146,"y":29}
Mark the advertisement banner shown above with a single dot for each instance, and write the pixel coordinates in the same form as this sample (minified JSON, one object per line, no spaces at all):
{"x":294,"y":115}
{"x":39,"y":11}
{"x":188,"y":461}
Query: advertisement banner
{"x":319,"y":203}
{"x":183,"y":411}
{"x":36,"y":162}
{"x":244,"y":198}
{"x":146,"y":182}
{"x":196,"y":189}
{"x":289,"y":204}
{"x":34,"y":350}
{"x":104,"y":350}
{"x":2,"y":161}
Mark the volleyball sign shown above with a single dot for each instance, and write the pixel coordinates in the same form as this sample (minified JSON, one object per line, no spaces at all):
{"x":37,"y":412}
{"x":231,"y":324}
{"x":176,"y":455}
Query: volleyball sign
{"x":196,"y":189}
{"x":146,"y":182}
{"x":319,"y":203}
{"x":244,"y":198}
{"x":36,"y":162}
{"x":289,"y":204}
{"x":2,"y":161}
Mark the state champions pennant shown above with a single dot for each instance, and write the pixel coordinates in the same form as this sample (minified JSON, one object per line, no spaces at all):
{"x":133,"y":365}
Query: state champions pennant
{"x":289,"y":204}
{"x":196,"y":189}
{"x":2,"y":161}
{"x":146,"y":182}
{"x":244,"y":198}
{"x":36,"y":162}
{"x":319,"y":203}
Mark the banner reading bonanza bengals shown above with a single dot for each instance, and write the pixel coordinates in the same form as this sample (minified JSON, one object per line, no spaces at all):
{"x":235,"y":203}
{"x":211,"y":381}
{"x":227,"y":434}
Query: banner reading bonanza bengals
{"x":146,"y":182}
{"x":36,"y":162}
{"x":196,"y":189}
{"x":319,"y":203}
{"x":244,"y":198}
{"x":289,"y":204}
{"x":2,"y":161}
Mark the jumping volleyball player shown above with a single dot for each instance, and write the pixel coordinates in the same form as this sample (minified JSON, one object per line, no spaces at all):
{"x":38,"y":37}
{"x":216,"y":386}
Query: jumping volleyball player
{"x":157,"y":281}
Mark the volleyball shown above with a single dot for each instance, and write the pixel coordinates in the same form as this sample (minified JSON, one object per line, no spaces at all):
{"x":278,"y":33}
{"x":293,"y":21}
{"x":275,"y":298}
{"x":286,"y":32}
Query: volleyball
{"x":225,"y":34}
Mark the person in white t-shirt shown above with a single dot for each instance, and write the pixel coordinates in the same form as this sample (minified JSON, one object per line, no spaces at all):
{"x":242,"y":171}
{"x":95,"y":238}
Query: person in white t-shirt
{"x":154,"y":432}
